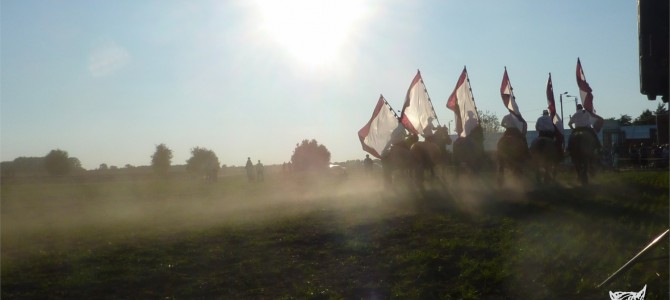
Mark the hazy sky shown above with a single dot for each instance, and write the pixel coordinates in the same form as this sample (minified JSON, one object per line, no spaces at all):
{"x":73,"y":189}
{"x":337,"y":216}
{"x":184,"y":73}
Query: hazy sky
{"x":107,"y":81}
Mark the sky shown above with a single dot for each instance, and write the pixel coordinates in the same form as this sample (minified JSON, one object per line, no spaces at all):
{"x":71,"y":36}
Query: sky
{"x":108,"y":81}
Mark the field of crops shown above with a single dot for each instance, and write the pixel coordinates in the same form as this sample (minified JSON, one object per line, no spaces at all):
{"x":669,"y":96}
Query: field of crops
{"x":310,"y":237}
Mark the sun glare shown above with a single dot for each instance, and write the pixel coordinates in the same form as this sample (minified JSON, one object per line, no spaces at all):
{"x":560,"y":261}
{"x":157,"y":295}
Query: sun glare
{"x":314,"y":32}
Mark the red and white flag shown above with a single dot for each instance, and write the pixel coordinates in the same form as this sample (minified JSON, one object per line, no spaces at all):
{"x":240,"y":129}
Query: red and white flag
{"x":587,"y":98}
{"x":507,"y":94}
{"x":382,"y":130}
{"x":558,"y":123}
{"x":417,"y":110}
{"x":462,"y":103}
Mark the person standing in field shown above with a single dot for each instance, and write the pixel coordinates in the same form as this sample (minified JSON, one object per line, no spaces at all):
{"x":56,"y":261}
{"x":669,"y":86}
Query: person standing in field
{"x":250,"y":169}
{"x":367,"y":164}
{"x":259,"y":171}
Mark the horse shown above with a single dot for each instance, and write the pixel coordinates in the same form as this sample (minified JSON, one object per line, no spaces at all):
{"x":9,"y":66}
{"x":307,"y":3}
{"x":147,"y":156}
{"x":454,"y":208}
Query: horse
{"x":545,"y":156}
{"x":398,"y":159}
{"x":582,"y":148}
{"x":512,"y":153}
{"x":469,"y":151}
{"x":430,"y":153}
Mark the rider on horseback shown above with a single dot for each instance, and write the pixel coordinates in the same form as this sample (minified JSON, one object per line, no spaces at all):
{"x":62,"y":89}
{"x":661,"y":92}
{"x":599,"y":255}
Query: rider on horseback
{"x":545,"y":128}
{"x":582,"y":123}
{"x":544,"y":125}
{"x":511,"y":124}
{"x":429,"y":130}
{"x":399,"y":138}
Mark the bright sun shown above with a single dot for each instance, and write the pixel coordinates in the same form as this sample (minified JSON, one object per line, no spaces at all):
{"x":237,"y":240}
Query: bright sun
{"x":313,"y":31}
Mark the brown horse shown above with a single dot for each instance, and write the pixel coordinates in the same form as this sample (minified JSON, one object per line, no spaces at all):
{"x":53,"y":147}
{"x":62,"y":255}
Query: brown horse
{"x":469,"y":151}
{"x":582,"y":147}
{"x":512,"y":153}
{"x":398,"y":161}
{"x":546,"y":156}
{"x":430,"y":154}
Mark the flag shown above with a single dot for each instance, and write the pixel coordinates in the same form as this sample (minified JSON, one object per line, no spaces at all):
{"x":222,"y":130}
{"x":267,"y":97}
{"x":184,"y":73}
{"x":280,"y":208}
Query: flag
{"x":507,"y":94}
{"x":417,"y":108}
{"x":462,"y":103}
{"x":382,"y":130}
{"x":587,"y":98}
{"x":558,"y":123}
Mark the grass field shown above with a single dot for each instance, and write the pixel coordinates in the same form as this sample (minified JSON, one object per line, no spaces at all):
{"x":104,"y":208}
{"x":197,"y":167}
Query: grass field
{"x":307,"y":237}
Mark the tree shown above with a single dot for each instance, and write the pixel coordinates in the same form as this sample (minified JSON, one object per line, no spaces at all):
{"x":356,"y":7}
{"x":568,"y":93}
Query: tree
{"x":309,"y":155}
{"x":625,"y":120}
{"x":103,"y":167}
{"x":161,"y":159}
{"x":75,"y":164}
{"x":28,"y":165}
{"x":645,"y":118}
{"x":661,"y":109}
{"x":202,"y":161}
{"x":57,"y":163}
{"x":34,"y":165}
{"x":489,"y":121}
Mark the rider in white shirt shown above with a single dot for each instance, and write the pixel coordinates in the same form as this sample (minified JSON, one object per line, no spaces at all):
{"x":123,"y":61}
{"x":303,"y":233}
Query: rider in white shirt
{"x":544,"y":125}
{"x":511,"y":124}
{"x":509,"y":121}
{"x":581,"y":118}
{"x":582,"y":122}
{"x":428,"y":130}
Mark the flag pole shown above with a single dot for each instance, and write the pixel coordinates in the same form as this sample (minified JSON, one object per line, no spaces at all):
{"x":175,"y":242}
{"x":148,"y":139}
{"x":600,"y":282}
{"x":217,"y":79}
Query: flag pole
{"x":467,"y":77}
{"x":391,"y":107}
{"x":634,"y":259}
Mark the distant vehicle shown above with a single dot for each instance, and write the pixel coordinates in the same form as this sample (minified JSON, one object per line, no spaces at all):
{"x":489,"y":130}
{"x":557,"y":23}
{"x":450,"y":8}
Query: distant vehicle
{"x":337,"y":170}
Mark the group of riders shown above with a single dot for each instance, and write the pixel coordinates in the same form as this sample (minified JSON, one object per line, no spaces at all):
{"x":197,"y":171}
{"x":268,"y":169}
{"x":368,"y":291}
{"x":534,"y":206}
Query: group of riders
{"x":580,"y":122}
{"x":515,"y":129}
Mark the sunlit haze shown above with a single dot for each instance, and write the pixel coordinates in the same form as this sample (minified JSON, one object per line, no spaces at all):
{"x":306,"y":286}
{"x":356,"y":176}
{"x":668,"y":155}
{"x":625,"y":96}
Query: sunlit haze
{"x":313,"y":32}
{"x":107,"y":81}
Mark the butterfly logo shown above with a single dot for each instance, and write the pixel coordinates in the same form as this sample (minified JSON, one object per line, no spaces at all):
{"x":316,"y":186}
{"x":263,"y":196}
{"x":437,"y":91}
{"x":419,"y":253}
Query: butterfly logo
{"x":629,"y":295}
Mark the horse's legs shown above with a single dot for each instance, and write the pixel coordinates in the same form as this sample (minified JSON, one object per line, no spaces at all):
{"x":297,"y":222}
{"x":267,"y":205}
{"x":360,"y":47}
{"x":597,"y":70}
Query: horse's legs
{"x":549,"y":172}
{"x":387,"y":177}
{"x":501,"y":171}
{"x":588,"y":168}
{"x":418,"y":174}
{"x":540,"y":172}
{"x":582,"y":171}
{"x":594,"y":163}
{"x":554,"y":170}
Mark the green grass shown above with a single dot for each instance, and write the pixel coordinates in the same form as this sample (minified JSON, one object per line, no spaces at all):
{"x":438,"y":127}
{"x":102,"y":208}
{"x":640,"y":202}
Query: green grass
{"x":326,"y":238}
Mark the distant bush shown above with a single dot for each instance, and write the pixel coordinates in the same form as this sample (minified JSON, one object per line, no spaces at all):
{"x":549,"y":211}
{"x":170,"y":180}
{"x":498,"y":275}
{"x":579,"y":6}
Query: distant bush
{"x":22,"y":166}
{"x":161,"y":159}
{"x":57,"y":163}
{"x":202,"y":161}
{"x":309,"y":155}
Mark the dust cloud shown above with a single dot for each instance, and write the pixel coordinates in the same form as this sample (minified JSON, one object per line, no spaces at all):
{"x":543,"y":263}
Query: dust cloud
{"x":43,"y":216}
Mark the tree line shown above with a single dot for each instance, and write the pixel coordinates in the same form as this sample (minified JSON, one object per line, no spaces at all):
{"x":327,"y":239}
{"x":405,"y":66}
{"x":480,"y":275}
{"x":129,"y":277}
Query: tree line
{"x":308,"y":155}
{"x":647,"y":117}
